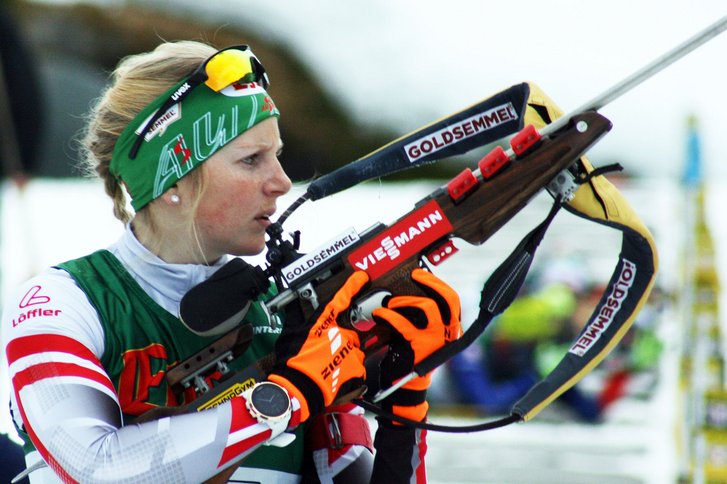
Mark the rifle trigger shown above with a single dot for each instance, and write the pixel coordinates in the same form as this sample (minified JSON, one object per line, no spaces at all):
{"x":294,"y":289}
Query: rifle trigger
{"x":441,"y":252}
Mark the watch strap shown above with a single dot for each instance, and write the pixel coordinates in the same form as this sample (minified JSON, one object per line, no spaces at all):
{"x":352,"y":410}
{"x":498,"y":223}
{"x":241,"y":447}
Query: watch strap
{"x":334,"y":430}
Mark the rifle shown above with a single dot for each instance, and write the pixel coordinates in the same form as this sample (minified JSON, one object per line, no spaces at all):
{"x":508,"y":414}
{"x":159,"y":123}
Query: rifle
{"x":547,"y":152}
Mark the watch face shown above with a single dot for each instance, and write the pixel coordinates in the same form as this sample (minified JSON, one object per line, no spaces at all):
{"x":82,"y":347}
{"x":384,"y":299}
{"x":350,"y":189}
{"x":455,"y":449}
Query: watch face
{"x":270,"y":400}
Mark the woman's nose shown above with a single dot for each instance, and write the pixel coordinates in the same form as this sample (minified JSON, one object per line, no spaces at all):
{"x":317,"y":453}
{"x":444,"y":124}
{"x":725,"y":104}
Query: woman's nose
{"x":279,"y":183}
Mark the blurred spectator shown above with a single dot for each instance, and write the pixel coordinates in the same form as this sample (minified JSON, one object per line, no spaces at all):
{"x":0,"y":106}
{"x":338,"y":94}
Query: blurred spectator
{"x":20,"y":129}
{"x":21,"y":107}
{"x":12,"y":461}
{"x":517,"y":351}
{"x":530,"y":338}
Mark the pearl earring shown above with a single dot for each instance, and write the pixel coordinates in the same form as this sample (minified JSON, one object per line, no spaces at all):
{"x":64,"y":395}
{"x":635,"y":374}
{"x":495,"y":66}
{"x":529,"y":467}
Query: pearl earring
{"x":175,"y":199}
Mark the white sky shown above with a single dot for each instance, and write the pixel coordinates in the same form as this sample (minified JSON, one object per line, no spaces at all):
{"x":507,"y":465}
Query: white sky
{"x":409,"y":62}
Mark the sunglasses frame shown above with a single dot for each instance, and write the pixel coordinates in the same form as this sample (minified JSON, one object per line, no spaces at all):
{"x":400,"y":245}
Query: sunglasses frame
{"x":198,"y":77}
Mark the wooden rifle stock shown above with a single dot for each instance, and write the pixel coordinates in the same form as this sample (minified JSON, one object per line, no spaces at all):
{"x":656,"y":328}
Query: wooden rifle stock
{"x":474,"y":216}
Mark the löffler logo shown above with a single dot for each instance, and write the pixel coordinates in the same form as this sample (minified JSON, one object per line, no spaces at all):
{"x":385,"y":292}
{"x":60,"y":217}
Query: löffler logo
{"x":402,"y":240}
{"x":34,"y":298}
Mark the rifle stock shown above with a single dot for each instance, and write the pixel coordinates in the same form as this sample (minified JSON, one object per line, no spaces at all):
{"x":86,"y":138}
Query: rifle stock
{"x":473,"y":216}
{"x":472,"y":211}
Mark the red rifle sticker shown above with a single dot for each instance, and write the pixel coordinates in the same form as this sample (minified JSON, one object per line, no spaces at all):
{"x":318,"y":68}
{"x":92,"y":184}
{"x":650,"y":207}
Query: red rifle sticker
{"x":402,"y":240}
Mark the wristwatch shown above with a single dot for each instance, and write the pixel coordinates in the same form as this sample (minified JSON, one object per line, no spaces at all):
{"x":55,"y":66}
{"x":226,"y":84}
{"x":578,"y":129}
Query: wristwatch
{"x":270,"y":404}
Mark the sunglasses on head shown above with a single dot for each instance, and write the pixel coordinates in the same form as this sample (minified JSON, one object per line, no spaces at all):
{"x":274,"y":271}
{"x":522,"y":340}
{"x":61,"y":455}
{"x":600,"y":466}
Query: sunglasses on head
{"x":225,"y":67}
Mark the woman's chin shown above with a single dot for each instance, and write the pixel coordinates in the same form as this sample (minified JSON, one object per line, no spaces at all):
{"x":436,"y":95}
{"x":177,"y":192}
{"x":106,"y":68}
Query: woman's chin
{"x":249,"y":250}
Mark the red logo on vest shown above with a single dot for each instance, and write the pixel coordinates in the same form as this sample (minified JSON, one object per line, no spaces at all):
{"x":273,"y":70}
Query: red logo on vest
{"x":143,"y":385}
{"x":138,"y":380}
{"x":33,"y":297}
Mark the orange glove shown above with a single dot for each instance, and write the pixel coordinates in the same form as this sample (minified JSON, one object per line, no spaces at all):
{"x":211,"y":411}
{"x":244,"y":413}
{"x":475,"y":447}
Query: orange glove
{"x":317,"y":362}
{"x":423,"y":324}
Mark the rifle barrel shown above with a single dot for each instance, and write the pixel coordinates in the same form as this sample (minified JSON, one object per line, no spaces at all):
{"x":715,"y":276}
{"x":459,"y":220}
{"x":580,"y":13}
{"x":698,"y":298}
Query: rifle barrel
{"x":642,"y":74}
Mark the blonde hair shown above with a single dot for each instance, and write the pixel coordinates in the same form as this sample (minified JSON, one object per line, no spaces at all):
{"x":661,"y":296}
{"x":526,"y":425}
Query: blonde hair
{"x":136,"y":82}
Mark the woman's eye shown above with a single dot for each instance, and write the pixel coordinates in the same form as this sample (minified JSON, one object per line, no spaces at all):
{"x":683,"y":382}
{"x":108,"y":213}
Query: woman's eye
{"x":249,"y":160}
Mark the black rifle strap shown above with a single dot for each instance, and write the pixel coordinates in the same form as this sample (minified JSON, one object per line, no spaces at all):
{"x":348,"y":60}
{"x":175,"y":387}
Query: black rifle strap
{"x":498,"y":292}
{"x":451,"y":429}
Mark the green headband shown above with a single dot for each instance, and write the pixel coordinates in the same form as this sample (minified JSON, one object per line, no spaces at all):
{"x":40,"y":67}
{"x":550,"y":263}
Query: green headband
{"x":185,"y":136}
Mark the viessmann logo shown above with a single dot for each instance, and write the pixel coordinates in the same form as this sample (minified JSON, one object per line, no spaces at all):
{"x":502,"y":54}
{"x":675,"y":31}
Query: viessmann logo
{"x":402,"y":240}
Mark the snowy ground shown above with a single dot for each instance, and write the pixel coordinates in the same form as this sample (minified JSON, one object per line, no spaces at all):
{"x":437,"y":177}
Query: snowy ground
{"x":56,"y":220}
{"x":637,"y":443}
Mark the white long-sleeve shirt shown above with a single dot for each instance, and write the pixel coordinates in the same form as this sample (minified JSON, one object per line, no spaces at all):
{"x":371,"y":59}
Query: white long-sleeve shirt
{"x":66,"y":402}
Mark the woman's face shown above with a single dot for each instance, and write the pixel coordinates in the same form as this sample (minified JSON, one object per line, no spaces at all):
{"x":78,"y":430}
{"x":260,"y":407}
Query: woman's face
{"x":244,"y":180}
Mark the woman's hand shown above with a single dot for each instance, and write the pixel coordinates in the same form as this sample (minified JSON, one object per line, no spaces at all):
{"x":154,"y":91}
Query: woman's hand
{"x":421,"y":325}
{"x":318,"y":362}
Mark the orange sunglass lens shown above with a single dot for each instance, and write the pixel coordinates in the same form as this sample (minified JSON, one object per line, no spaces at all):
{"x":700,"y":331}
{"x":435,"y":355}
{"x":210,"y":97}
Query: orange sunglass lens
{"x":227,"y":67}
